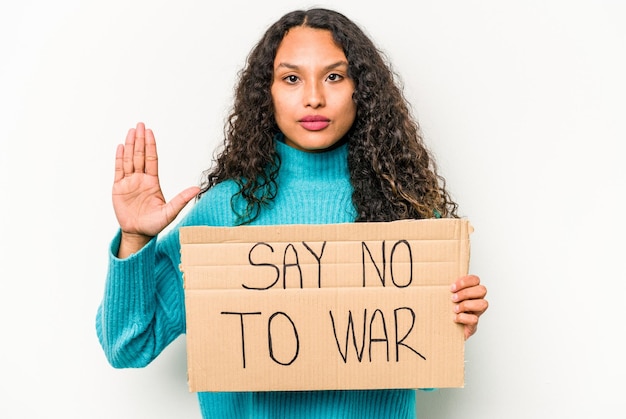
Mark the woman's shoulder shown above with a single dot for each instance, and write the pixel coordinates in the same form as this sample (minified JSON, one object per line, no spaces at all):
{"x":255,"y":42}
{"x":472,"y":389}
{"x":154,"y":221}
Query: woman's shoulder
{"x":214,"y":206}
{"x":225,"y":188}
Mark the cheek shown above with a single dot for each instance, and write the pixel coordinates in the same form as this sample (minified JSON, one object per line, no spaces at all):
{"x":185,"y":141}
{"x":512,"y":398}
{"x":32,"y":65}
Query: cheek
{"x":279,"y":111}
{"x":281,"y":106}
{"x":347,"y":103}
{"x":350,"y":112}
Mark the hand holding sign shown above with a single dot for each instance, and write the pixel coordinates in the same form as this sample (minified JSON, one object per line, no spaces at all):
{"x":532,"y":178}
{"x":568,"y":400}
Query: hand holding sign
{"x":469,"y":295}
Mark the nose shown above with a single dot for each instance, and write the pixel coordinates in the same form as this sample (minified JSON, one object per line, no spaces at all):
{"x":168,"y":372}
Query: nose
{"x":314,"y":95}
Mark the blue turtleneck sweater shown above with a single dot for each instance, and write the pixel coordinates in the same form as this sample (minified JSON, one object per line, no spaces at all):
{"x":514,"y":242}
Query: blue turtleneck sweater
{"x":143,"y":310}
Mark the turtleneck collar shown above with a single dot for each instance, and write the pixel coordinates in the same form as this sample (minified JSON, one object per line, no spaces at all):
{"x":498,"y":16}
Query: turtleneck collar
{"x":325,"y":164}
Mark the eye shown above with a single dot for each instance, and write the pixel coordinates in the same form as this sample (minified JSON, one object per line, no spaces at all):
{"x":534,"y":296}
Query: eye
{"x":291,"y":79}
{"x":334,"y":77}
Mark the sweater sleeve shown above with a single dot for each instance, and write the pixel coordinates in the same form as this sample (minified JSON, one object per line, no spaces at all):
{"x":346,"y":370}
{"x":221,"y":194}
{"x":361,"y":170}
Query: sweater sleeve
{"x":142,"y":309}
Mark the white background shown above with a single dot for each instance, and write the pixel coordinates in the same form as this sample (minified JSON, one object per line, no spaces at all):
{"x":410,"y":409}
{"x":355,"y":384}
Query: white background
{"x":523,"y":103}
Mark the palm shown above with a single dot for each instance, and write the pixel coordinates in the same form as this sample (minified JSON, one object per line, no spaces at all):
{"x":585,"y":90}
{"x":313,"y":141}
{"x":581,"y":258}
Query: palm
{"x":139,"y":204}
{"x":138,"y":201}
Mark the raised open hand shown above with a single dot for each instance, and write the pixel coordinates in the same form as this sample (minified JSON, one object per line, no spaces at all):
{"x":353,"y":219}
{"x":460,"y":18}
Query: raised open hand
{"x":138,"y":201}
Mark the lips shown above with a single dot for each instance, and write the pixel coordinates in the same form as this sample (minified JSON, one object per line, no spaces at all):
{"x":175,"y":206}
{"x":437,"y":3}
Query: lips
{"x":314,"y":122}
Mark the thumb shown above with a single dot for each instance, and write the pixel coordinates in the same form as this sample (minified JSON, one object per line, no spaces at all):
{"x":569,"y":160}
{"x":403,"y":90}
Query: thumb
{"x":176,"y":205}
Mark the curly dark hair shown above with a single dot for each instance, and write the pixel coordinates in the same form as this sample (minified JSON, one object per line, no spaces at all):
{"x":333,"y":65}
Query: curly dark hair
{"x":393,"y":174}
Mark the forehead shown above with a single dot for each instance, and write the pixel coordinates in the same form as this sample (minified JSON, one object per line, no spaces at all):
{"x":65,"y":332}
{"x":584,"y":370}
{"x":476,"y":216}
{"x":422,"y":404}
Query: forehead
{"x":304,"y":44}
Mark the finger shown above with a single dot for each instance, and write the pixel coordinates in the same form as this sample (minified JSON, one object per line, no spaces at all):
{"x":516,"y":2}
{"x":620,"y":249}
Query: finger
{"x":175,"y":206}
{"x":139,"y":153}
{"x":152,"y":164}
{"x":129,"y":146}
{"x":469,"y":330}
{"x":476,"y":307}
{"x":473,"y":293}
{"x":469,"y":321}
{"x":119,"y":163}
{"x":465,"y":282}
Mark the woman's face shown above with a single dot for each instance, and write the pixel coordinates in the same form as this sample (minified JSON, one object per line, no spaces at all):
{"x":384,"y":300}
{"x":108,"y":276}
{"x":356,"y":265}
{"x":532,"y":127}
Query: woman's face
{"x":311,"y":90}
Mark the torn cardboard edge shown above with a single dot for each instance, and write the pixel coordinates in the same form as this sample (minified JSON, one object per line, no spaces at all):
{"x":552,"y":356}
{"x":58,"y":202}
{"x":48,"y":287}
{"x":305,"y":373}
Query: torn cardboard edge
{"x":315,"y":307}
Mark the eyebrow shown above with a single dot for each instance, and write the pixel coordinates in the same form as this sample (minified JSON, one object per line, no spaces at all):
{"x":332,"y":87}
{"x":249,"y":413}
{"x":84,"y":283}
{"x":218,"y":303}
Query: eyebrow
{"x":328,"y":67}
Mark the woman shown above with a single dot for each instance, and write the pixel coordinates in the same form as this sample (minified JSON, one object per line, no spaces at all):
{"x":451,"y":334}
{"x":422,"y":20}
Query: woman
{"x":319,"y":133}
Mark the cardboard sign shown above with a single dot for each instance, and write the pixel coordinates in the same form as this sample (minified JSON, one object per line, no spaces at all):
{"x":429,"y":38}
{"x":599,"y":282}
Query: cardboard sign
{"x":312,"y":307}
